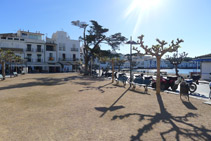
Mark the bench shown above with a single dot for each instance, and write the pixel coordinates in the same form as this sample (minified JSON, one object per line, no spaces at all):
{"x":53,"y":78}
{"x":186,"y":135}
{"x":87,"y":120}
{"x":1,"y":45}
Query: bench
{"x":141,"y":82}
{"x":1,"y":77}
{"x":122,"y":79}
{"x":15,"y":73}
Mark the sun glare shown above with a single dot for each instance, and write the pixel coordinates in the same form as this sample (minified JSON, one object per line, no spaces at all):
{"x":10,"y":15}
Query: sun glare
{"x":139,"y":9}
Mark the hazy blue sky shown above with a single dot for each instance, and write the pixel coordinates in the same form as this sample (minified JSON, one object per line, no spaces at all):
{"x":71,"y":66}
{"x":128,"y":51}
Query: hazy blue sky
{"x":166,"y":20}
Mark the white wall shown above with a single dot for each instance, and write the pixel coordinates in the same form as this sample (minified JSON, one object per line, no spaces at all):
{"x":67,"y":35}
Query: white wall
{"x":205,"y":70}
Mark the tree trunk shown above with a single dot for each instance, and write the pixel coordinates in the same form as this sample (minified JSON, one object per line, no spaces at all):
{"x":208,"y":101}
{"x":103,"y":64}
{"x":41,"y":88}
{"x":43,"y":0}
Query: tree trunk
{"x":176,"y":70}
{"x":112,"y":70}
{"x":99,"y":70}
{"x":119,"y":69}
{"x":3,"y":70}
{"x":16,"y":68}
{"x":158,"y":76}
{"x":86,"y":61}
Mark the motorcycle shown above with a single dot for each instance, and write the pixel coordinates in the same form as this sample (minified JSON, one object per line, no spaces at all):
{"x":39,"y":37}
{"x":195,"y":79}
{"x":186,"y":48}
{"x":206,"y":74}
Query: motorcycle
{"x":191,"y":83}
{"x":165,"y":83}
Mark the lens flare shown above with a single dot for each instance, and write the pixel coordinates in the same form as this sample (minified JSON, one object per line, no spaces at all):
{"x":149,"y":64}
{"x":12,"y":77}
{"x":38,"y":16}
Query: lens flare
{"x":139,"y":9}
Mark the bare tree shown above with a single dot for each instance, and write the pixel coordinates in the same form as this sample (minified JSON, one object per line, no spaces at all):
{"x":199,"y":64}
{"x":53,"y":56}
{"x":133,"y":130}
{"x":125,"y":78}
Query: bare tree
{"x":176,"y":60}
{"x":158,"y":51}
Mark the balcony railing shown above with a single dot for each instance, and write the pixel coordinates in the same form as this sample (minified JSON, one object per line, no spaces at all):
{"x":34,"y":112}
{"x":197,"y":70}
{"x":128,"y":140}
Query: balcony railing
{"x":51,"y":58}
{"x":68,"y":59}
{"x":39,"y":60}
{"x":29,"y":59}
{"x":29,"y":50}
{"x":74,"y":49}
{"x":39,"y":50}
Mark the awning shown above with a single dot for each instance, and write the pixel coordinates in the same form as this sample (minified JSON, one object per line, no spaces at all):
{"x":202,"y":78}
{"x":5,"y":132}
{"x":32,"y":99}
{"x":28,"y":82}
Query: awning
{"x":54,"y":65}
{"x":202,"y":60}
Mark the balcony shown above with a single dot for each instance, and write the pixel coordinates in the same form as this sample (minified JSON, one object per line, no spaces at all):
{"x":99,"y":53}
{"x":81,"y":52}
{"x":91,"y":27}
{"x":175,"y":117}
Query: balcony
{"x":39,"y":60}
{"x":39,"y":50}
{"x":68,"y":59}
{"x":51,"y":59}
{"x":74,"y":49}
{"x":29,"y":50}
{"x":29,"y":59}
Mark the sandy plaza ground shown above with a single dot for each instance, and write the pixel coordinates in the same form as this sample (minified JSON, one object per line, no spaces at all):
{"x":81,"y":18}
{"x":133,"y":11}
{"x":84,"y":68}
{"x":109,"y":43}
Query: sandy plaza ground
{"x":72,"y":107}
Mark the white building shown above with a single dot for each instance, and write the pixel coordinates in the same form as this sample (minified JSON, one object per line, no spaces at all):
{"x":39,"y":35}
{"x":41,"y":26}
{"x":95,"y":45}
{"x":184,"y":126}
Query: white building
{"x":205,"y":63}
{"x":28,"y":45}
{"x":67,"y":51}
{"x":145,"y":61}
{"x":59,"y":53}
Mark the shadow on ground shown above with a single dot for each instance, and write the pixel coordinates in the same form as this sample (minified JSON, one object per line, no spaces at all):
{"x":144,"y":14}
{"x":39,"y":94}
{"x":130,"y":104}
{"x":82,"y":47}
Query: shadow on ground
{"x":48,"y":81}
{"x":189,"y":105}
{"x":99,"y":88}
{"x":185,"y":129}
{"x":112,"y":107}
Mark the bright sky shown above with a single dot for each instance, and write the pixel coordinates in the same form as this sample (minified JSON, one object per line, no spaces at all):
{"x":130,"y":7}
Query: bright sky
{"x":163,"y":19}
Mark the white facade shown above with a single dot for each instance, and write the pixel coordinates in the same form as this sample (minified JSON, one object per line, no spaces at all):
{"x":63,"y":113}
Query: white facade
{"x":55,"y":55}
{"x":206,"y":70}
{"x":68,"y":51}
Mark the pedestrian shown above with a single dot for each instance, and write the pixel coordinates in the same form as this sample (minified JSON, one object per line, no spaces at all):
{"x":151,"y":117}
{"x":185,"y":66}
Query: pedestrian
{"x":184,"y":88}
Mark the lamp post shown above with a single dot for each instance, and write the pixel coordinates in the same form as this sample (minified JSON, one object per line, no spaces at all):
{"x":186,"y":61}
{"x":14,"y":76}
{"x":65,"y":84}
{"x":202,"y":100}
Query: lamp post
{"x":131,"y":42}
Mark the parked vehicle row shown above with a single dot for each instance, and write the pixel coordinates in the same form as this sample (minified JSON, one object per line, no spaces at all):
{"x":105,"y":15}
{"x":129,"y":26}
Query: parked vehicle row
{"x":166,"y":83}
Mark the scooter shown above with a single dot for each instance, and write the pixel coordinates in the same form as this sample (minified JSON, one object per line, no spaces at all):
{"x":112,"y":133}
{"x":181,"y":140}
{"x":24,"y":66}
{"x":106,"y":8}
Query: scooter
{"x":192,"y":85}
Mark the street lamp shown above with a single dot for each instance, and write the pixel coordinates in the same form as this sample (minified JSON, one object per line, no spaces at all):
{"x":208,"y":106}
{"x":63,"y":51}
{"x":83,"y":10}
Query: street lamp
{"x":131,"y":42}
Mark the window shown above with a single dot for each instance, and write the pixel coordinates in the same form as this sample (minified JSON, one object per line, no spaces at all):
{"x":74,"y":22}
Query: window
{"x":38,"y":48}
{"x":63,"y":56}
{"x":49,"y":48}
{"x":63,"y":48}
{"x":50,"y":54}
{"x":29,"y":57}
{"x":29,"y":47}
{"x":10,"y":38}
{"x":24,"y":34}
{"x":16,"y":38}
{"x":39,"y":58}
{"x":74,"y":57}
{"x":3,"y":37}
{"x":22,"y":39}
{"x":60,"y":48}
{"x":73,"y":45}
{"x":51,"y":57}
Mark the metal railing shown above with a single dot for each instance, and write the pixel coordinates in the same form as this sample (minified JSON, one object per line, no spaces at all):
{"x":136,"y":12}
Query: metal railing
{"x":68,"y":59}
{"x":74,"y":49}
{"x":39,"y":50}
{"x":51,"y":58}
{"x":29,"y":50}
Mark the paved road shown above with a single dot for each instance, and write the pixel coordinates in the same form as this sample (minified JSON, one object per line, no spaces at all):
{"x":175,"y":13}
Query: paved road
{"x":202,"y":90}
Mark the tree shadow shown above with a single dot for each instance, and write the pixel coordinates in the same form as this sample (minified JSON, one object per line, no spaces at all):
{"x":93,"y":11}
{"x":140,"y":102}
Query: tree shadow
{"x":189,"y":105}
{"x":112,"y":107}
{"x":138,"y":92}
{"x":39,"y":82}
{"x":192,"y":132}
{"x":97,"y":88}
{"x":49,"y":81}
{"x":82,"y":77}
